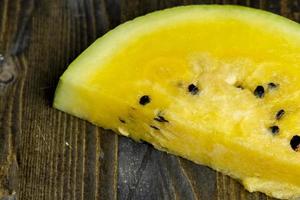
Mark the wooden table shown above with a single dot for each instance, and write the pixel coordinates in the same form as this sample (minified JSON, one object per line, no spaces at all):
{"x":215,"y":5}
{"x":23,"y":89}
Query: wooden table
{"x":47,"y":154}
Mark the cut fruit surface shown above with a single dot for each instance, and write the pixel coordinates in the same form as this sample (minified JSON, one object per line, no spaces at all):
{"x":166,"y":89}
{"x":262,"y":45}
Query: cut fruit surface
{"x":218,"y":85}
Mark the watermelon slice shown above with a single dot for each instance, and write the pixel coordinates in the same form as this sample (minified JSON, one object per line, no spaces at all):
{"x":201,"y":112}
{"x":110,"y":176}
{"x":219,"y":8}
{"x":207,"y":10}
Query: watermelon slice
{"x":218,"y":85}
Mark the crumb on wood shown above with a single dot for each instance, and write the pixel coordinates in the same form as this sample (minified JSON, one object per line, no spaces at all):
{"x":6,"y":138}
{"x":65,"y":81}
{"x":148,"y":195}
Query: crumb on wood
{"x":68,"y":145}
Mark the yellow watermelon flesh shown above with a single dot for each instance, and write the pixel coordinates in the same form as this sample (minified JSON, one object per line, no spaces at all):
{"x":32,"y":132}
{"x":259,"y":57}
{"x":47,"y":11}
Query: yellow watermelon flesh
{"x":218,"y":85}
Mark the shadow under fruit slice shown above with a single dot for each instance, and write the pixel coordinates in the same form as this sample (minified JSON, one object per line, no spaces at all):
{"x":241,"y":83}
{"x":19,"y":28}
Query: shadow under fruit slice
{"x":218,"y":85}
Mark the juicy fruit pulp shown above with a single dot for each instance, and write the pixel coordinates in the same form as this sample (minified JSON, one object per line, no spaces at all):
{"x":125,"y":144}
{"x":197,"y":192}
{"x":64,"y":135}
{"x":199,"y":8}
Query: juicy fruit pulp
{"x":218,"y":85}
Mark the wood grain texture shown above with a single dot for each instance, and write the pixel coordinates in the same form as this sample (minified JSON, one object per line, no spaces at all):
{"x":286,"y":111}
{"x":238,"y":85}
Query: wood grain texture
{"x":47,"y":154}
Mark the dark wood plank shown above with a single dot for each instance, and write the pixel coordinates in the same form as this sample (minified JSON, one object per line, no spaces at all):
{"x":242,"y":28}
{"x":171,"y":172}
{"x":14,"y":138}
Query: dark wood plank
{"x":47,"y":154}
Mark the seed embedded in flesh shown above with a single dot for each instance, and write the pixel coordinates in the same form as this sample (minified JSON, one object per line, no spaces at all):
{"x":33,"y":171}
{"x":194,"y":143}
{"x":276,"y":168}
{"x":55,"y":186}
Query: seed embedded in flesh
{"x":240,"y":87}
{"x":122,"y":121}
{"x":154,"y":127}
{"x":193,"y":89}
{"x":145,"y":100}
{"x":274,"y":129}
{"x":280,"y":114}
{"x":295,"y":143}
{"x":272,"y":85}
{"x":259,"y":91}
{"x":160,"y":119}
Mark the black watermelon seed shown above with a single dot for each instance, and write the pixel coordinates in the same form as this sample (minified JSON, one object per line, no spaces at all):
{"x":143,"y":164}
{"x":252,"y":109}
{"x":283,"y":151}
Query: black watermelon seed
{"x":145,"y":100}
{"x":160,"y":119}
{"x":272,"y":85}
{"x":295,"y":143}
{"x":240,"y":87}
{"x":274,"y":129}
{"x":154,"y":127}
{"x":259,"y":91}
{"x":193,"y":89}
{"x":280,"y":114}
{"x":122,"y":121}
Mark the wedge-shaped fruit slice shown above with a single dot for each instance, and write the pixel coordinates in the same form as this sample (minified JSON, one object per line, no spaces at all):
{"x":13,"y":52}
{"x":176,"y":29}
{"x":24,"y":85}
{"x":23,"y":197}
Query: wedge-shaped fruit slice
{"x":219,"y":85}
